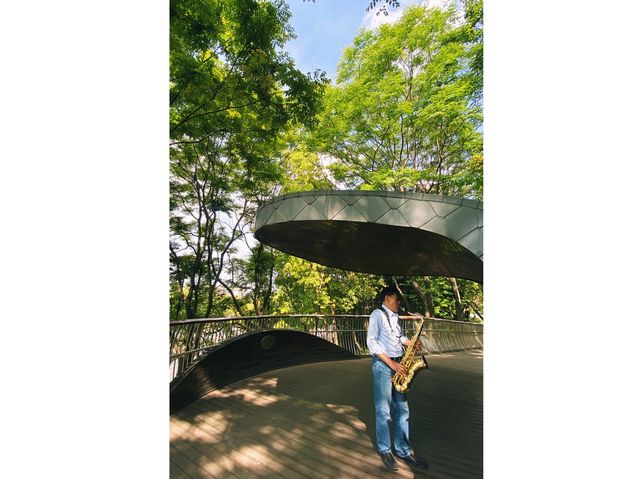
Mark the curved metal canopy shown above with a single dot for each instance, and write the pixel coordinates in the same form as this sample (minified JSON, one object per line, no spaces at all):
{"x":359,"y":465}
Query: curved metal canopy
{"x":377,"y":232}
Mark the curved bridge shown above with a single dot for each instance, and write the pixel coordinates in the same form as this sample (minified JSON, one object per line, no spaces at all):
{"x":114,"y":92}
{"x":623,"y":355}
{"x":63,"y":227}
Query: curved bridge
{"x":248,"y":355}
{"x":192,"y":339}
{"x":210,"y":364}
{"x":378,"y":232}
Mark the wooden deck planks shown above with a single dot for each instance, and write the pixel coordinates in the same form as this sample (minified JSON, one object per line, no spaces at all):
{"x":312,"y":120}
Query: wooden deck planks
{"x":316,"y":421}
{"x":313,"y":441}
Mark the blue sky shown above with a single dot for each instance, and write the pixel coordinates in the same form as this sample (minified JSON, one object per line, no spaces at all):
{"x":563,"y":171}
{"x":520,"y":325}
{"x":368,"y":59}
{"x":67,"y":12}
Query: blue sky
{"x":326,"y":27}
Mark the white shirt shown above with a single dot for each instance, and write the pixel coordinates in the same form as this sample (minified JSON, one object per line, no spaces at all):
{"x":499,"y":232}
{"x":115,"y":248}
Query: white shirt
{"x":385,"y":336}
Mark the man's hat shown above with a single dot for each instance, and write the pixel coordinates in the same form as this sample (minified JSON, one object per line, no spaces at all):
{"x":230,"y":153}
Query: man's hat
{"x":386,"y":291}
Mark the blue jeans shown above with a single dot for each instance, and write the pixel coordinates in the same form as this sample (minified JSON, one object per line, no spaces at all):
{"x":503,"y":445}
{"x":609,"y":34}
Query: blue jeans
{"x":389,"y":404}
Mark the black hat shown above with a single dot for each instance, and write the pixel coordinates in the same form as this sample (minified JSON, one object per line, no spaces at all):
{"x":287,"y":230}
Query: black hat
{"x":386,"y":291}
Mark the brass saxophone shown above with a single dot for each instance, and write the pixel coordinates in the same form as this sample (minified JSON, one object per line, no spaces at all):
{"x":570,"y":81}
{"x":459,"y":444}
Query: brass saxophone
{"x":402,"y":383}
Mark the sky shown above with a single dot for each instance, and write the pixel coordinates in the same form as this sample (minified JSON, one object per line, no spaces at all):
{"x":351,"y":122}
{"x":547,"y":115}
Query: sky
{"x":326,"y":27}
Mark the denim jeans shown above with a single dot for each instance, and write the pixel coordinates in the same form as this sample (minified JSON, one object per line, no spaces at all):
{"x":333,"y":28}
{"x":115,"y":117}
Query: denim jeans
{"x":389,"y":404}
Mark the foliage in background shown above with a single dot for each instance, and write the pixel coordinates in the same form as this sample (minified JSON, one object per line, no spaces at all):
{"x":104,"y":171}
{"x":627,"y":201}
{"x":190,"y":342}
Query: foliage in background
{"x":403,"y":115}
{"x":306,"y":287}
{"x":233,"y":95}
{"x":441,"y":300}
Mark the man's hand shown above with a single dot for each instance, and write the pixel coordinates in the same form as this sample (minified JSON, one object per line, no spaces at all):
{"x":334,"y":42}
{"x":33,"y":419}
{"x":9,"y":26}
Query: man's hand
{"x":399,"y":368}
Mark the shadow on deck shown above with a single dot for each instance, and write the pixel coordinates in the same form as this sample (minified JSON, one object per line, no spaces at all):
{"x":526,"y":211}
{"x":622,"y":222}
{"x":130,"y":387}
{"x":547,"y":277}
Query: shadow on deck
{"x":316,"y":421}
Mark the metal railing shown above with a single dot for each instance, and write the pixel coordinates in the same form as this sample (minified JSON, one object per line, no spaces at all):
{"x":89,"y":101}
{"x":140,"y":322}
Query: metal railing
{"x":191,"y":339}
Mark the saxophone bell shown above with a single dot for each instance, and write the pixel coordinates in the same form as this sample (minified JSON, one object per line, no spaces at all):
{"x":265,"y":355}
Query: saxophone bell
{"x":419,"y":364}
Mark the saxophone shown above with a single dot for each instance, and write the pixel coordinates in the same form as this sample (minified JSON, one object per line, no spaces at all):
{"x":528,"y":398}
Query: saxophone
{"x":413,"y":366}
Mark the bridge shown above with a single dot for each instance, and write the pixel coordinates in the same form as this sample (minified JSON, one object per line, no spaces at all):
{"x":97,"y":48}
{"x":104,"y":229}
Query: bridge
{"x":291,"y":396}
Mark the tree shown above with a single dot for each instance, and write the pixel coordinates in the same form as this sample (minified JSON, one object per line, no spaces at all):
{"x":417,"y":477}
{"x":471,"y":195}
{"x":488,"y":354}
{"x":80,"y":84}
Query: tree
{"x":306,"y":287}
{"x":439,"y":297}
{"x":254,"y":278}
{"x":303,"y":171}
{"x":402,"y":115}
{"x":233,"y":94}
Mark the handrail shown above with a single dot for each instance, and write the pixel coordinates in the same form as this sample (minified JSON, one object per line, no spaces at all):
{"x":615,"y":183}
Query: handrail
{"x":191,"y":339}
{"x":413,"y":317}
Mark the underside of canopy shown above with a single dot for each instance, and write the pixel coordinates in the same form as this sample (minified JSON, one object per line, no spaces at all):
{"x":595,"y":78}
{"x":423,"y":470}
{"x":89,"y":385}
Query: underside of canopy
{"x":377,"y":232}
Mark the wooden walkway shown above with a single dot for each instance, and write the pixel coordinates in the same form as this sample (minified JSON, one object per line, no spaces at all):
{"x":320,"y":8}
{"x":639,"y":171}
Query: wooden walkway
{"x":316,"y":421}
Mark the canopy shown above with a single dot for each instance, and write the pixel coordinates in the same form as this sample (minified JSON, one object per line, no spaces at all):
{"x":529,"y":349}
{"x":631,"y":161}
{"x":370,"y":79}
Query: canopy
{"x":379,"y":232}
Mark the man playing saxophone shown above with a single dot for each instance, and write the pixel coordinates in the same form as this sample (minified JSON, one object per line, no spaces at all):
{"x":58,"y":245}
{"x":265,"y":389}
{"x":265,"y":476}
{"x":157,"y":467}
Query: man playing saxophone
{"x":385,"y":340}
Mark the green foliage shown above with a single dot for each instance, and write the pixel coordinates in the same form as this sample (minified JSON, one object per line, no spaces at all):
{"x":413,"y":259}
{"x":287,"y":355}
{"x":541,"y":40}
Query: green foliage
{"x":470,"y":32}
{"x":303,"y":171}
{"x":443,"y":301}
{"x":442,"y":295}
{"x":472,"y":300}
{"x":404,"y":114}
{"x":233,"y":95}
{"x":254,"y":277}
{"x":306,"y":287}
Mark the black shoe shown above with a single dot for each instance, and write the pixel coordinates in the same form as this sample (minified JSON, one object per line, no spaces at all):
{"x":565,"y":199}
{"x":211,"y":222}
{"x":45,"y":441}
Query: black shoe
{"x":413,"y":461}
{"x":389,"y":462}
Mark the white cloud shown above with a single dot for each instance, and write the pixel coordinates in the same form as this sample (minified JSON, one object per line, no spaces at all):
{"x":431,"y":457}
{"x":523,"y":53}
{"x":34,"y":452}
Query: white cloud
{"x":372,"y":21}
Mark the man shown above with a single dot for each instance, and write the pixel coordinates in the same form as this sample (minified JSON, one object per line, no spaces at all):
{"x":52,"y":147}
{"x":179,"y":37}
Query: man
{"x":385,"y":340}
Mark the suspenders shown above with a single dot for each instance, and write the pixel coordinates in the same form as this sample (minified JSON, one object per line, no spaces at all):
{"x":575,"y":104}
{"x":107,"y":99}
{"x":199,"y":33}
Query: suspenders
{"x":386,"y":316}
{"x":389,"y":321}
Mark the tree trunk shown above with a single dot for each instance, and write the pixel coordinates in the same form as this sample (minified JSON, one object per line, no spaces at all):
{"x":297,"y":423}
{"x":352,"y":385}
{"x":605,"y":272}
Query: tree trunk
{"x":257,"y":287}
{"x":233,"y":297}
{"x":208,"y":245}
{"x":457,"y":299}
{"x":180,"y":300}
{"x":267,"y":299}
{"x":395,"y":282}
{"x":475,"y":310}
{"x":179,"y":281}
{"x":426,"y":298}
